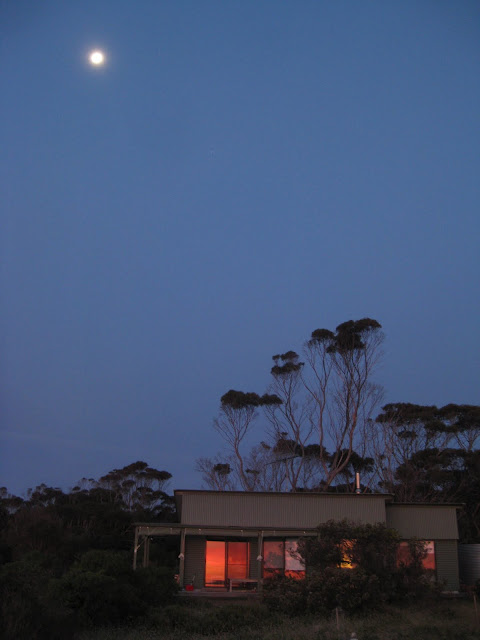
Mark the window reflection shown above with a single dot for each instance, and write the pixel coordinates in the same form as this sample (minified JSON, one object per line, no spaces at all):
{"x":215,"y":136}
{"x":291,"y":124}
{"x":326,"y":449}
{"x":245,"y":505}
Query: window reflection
{"x":346,"y":548}
{"x":215,"y":563}
{"x":404,"y":556}
{"x":281,"y":557}
{"x":237,"y":560}
{"x":273,"y":558}
{"x":294,"y":564}
{"x":225,"y":560}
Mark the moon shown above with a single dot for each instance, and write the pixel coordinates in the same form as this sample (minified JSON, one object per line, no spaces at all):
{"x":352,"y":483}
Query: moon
{"x":96,"y":58}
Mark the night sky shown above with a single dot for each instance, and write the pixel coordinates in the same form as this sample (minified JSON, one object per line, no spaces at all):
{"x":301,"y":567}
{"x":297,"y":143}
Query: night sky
{"x":238,"y":174}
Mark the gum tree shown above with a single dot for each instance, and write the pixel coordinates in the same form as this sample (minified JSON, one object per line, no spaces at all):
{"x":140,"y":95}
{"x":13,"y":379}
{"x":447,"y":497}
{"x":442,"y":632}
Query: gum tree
{"x":316,"y":411}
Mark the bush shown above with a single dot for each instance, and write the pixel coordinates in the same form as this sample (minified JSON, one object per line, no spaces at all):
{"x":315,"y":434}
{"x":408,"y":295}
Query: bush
{"x":353,"y":591}
{"x":101,"y":588}
{"x":320,"y":593}
{"x":211,"y":620}
{"x":26,"y":610}
{"x":350,"y":566}
{"x":155,"y":585}
{"x":286,"y":595}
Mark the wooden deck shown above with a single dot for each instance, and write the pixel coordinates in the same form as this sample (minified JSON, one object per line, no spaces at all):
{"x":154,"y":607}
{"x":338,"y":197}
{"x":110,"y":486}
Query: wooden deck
{"x":220,"y":594}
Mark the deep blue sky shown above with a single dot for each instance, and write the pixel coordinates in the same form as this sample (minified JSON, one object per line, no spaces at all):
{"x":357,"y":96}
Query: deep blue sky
{"x":239,"y":174}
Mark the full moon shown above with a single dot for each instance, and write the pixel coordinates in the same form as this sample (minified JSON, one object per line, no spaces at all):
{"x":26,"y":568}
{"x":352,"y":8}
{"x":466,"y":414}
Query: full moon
{"x":97,"y":58}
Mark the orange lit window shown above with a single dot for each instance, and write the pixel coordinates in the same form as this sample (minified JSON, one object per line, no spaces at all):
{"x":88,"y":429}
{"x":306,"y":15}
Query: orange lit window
{"x":237,"y":560}
{"x":404,"y":556}
{"x":225,"y":560}
{"x":215,"y":563}
{"x":346,"y":547}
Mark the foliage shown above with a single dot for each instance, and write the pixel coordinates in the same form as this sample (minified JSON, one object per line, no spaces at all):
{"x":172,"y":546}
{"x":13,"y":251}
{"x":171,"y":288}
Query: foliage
{"x":439,"y":620}
{"x":430,"y":454}
{"x":321,"y":402}
{"x":101,"y":588}
{"x":320,"y":431}
{"x":352,"y":566}
{"x":371,"y":546}
{"x":26,"y":610}
{"x":353,"y":590}
{"x":67,"y":555}
{"x":210,"y":620}
{"x":286,"y":595}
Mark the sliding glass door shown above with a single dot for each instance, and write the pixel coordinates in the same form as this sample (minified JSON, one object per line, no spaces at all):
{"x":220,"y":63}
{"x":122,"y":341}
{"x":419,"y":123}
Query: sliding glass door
{"x":225,"y":560}
{"x":215,"y":562}
{"x":237,"y":560}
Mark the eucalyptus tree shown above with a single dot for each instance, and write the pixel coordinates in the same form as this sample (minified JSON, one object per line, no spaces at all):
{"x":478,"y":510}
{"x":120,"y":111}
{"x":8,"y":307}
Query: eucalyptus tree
{"x":326,"y":401}
{"x":316,"y":410}
{"x":216,"y":473}
{"x":421,"y":451}
{"x":238,"y":411}
{"x":139,"y":487}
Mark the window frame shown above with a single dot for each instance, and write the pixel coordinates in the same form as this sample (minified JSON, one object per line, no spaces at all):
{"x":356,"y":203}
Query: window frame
{"x":284,"y":570}
{"x":226,"y":577}
{"x":403,"y":544}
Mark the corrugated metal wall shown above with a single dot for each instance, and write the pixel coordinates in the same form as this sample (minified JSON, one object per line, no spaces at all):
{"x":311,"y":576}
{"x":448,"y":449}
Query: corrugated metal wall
{"x":278,"y":510}
{"x":469,"y":558}
{"x":424,"y":522}
{"x":195,"y":560}
{"x":446,"y":557}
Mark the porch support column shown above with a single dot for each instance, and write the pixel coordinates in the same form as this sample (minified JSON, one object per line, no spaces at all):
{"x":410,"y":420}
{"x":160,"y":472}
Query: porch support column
{"x":260,"y":560}
{"x":181,"y":568}
{"x":146,"y":551}
{"x":135,"y":549}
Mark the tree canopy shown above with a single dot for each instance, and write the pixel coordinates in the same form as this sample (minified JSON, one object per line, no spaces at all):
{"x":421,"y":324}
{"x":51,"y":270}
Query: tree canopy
{"x":319,"y":424}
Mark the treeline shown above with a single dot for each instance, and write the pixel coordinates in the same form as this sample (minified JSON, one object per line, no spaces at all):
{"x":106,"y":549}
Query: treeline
{"x":66,"y":557}
{"x":319,"y":423}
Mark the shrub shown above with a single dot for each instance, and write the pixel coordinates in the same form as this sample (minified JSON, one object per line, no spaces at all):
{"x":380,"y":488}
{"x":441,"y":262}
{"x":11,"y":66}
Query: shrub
{"x":26,"y":610}
{"x":286,"y":595}
{"x":211,"y":620}
{"x":350,"y":566}
{"x":101,"y":588}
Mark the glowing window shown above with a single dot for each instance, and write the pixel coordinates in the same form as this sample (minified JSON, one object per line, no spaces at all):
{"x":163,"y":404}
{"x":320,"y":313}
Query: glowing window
{"x":215,"y":563}
{"x":404,"y":556}
{"x":225,"y":560}
{"x":346,"y":547}
{"x":237,"y":560}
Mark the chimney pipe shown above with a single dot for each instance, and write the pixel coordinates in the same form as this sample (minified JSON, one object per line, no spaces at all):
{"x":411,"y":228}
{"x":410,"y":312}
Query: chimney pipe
{"x":357,"y":483}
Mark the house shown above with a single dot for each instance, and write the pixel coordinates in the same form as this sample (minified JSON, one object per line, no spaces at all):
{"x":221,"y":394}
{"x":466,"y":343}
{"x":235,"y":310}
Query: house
{"x":232,"y":538}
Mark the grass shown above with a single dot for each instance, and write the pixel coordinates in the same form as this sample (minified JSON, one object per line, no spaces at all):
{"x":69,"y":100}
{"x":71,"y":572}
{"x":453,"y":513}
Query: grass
{"x":444,"y":620}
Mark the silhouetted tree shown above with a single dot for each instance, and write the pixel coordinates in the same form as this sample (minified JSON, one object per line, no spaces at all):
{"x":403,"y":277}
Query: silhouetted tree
{"x":429,"y":454}
{"x":316,"y":412}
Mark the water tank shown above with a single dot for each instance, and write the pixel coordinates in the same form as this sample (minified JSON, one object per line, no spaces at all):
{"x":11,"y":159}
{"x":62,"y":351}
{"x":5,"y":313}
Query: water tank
{"x":469,"y":563}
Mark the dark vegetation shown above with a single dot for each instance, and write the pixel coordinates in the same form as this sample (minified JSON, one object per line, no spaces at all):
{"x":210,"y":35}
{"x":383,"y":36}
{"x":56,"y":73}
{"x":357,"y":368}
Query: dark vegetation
{"x":319,"y":423}
{"x":67,"y":556}
{"x":354,"y":568}
{"x":195,"y":621}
